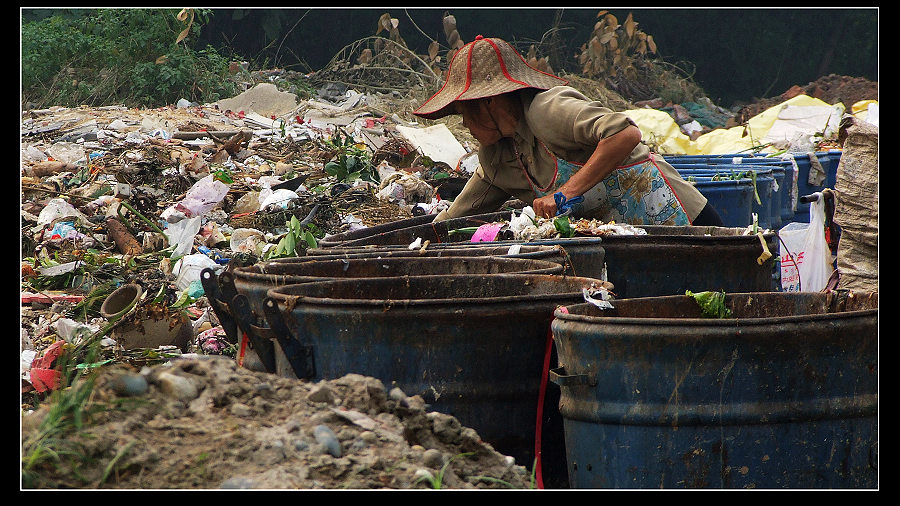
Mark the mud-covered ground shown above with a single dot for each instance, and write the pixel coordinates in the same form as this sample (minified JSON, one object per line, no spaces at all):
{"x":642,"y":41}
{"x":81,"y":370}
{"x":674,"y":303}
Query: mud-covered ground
{"x":204,"y":423}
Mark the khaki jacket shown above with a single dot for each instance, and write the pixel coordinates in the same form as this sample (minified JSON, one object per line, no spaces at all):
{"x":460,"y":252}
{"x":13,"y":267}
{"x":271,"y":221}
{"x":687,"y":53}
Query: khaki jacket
{"x":559,"y":122}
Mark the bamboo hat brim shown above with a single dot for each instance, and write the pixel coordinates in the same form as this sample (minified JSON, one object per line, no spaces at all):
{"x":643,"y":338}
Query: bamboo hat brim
{"x":485,"y":67}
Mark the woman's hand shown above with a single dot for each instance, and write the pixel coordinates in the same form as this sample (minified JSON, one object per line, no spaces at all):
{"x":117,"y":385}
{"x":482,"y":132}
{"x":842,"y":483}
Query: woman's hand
{"x":544,"y":207}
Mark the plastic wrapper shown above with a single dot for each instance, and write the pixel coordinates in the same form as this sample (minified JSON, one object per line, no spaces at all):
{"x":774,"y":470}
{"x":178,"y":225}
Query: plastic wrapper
{"x":188,"y":269}
{"x":182,"y":235}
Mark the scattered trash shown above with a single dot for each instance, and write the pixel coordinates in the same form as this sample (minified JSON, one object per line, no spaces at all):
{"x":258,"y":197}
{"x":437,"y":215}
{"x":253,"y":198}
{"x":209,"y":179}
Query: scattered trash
{"x":435,"y":142}
{"x":598,"y":296}
{"x":487,"y":232}
{"x":72,"y":331}
{"x":188,"y":268}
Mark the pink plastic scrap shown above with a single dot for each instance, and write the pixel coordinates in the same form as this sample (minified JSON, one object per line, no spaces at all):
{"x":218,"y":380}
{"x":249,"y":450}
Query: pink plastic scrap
{"x":487,"y":232}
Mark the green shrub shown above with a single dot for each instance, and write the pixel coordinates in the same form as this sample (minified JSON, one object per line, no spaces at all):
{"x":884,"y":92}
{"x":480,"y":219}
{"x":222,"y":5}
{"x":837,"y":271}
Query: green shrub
{"x":119,"y":56}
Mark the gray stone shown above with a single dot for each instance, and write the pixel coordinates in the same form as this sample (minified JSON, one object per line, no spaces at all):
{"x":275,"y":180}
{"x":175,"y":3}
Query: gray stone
{"x":177,"y":386}
{"x":129,"y":384}
{"x":321,"y":393}
{"x":433,"y":458}
{"x":265,"y":389}
{"x":238,"y":409}
{"x":328,"y":439}
{"x":270,"y":454}
{"x":301,"y":445}
{"x":292,"y":426}
{"x":446,"y":427}
{"x":397,"y":395}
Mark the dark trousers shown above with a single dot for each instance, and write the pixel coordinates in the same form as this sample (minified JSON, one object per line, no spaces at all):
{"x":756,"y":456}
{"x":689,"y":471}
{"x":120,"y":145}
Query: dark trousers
{"x":708,"y":217}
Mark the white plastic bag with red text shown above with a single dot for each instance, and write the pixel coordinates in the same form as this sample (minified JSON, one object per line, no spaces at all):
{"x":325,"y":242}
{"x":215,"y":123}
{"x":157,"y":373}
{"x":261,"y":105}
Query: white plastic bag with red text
{"x":805,"y":256}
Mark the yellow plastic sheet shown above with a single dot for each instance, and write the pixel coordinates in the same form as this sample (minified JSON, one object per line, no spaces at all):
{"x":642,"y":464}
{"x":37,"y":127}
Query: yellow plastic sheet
{"x":861,"y":109}
{"x":660,"y":129}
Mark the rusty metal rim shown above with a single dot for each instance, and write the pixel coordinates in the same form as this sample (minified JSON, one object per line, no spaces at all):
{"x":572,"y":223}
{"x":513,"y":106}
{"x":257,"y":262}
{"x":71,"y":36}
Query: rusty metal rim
{"x":293,"y":300}
{"x":540,"y":267}
{"x":707,"y":322}
{"x":462,"y":245}
{"x":656,"y":414}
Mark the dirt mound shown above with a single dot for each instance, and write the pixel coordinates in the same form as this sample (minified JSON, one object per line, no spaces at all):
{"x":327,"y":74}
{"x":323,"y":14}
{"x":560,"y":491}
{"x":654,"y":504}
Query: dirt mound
{"x":205,"y":423}
{"x":832,"y":88}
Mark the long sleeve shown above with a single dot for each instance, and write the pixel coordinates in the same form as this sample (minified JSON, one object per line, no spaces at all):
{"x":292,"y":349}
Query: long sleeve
{"x":477,"y":197}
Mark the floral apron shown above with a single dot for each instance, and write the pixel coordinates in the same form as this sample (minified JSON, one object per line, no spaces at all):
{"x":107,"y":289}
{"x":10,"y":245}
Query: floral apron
{"x":637,"y":194}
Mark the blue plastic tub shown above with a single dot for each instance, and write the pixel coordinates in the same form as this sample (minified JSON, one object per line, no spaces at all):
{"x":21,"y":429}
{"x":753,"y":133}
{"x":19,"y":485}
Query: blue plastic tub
{"x":769,"y":215}
{"x":829,"y":164}
{"x":724,"y":158}
{"x":732,"y":198}
{"x":834,"y":158}
{"x":786,"y":191}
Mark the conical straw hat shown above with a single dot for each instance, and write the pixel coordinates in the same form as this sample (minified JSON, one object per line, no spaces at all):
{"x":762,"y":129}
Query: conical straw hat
{"x":484,"y":68}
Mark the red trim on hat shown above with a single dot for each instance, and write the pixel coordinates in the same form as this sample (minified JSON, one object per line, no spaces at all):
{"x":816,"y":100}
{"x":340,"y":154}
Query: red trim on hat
{"x":446,"y":83}
{"x":468,"y":71}
{"x":503,"y":64}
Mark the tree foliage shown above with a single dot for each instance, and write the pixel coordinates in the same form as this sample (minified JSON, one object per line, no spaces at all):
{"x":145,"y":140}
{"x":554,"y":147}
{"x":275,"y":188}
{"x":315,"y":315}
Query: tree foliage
{"x":136,"y":57}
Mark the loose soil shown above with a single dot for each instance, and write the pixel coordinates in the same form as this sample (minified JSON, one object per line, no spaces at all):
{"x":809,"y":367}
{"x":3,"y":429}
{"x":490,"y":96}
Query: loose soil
{"x":832,"y":89}
{"x":236,"y":428}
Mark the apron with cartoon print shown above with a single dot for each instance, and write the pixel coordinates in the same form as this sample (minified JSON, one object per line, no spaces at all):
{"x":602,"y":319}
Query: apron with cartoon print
{"x":636,"y":194}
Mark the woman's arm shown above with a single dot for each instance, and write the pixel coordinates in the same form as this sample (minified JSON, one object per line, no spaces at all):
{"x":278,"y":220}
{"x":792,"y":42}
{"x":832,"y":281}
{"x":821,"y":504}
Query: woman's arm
{"x":606,"y":157}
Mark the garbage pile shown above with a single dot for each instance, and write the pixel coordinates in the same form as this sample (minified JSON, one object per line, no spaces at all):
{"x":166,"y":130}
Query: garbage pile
{"x":113,"y":197}
{"x":693,"y":118}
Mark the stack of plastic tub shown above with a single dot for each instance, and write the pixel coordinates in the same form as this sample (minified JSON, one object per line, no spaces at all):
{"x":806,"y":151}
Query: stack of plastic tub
{"x":797,"y":175}
{"x":708,"y":178}
{"x":784,"y":190}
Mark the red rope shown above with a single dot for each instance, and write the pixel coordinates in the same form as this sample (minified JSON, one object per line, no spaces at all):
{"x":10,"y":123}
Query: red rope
{"x":538,"y":471}
{"x":243,"y":349}
{"x":436,"y":234}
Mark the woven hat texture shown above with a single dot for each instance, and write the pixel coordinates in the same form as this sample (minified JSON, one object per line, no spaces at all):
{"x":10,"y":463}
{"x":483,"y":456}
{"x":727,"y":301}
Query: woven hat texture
{"x":485,"y":67}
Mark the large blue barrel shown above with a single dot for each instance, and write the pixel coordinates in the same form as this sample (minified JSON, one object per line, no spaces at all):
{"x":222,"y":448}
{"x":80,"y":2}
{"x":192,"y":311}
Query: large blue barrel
{"x":804,"y":187}
{"x":834,"y":159}
{"x":708,"y":159}
{"x":787,"y":191}
{"x":584,"y":253}
{"x":781,"y":394}
{"x":256,"y":280}
{"x":471,"y":346}
{"x":395,"y":232}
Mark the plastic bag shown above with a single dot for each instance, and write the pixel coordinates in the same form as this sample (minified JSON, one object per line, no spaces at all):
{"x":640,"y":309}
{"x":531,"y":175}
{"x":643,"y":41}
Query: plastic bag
{"x":182,"y":233}
{"x":188,"y":268}
{"x":59,"y":208}
{"x":279,"y":198}
{"x":203,"y":196}
{"x":247,"y":240}
{"x":805,"y":256}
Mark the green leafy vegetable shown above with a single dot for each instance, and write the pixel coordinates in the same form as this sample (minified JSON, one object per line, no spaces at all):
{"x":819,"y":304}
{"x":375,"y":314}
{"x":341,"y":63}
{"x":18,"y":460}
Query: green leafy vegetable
{"x":712,"y":304}
{"x":563,"y":226}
